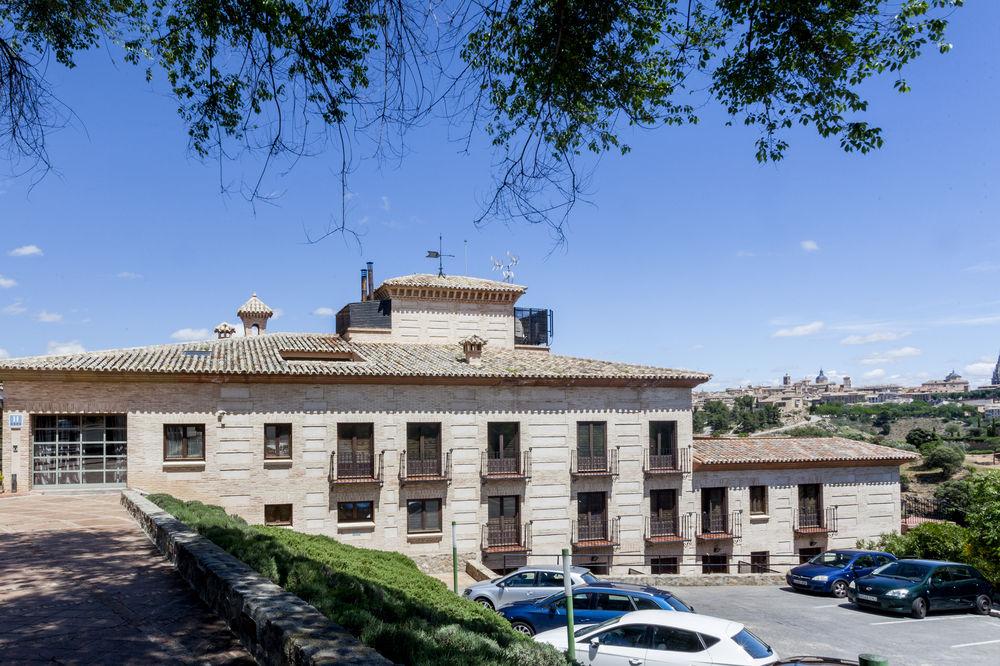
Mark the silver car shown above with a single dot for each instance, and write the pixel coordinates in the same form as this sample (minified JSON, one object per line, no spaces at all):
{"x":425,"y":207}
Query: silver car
{"x":525,"y":584}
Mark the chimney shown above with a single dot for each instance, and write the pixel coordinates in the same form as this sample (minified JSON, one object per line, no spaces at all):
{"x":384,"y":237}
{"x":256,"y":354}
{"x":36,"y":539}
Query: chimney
{"x":224,"y":330}
{"x":472,"y":347}
{"x":364,"y":284}
{"x":371,"y":280}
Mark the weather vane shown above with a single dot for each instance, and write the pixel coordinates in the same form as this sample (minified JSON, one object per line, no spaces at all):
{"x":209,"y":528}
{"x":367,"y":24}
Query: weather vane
{"x":505,"y":269}
{"x":439,"y":255}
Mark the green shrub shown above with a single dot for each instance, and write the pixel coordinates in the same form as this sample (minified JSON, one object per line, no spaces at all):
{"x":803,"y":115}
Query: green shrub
{"x":918,"y":437}
{"x":955,"y":497}
{"x":904,"y":482}
{"x":946,"y":457}
{"x":933,"y":541}
{"x":381,"y":597}
{"x":984,"y":524}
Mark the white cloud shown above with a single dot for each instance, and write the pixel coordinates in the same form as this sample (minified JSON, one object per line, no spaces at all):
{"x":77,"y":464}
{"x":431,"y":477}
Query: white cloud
{"x":980,"y":368}
{"x":191,"y":334}
{"x":26,"y":251}
{"x":14,"y":308}
{"x":7,"y":283}
{"x":129,"y":275}
{"x":877,"y":373}
{"x":386,"y":205}
{"x":4,"y":353}
{"x":799,"y":331}
{"x":278,"y":313}
{"x":810,"y":245}
{"x":891,"y":355}
{"x":324,"y":312}
{"x":877,"y":336}
{"x":969,"y":321}
{"x":61,"y":348}
{"x":49,"y":317}
{"x":983,"y":267}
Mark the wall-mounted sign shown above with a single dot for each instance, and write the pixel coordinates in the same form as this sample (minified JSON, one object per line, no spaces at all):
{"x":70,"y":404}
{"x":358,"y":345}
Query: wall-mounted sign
{"x":15,"y":421}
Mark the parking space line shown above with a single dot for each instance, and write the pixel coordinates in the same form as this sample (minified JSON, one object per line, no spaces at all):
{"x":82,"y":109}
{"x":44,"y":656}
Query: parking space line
{"x":926,"y":619}
{"x":962,"y":645}
{"x":828,"y":606}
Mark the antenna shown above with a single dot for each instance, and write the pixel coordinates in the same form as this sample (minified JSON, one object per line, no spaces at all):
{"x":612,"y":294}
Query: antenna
{"x":439,"y":255}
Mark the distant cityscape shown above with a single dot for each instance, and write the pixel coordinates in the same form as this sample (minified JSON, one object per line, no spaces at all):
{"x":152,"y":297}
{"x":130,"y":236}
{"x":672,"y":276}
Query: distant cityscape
{"x":794,"y":397}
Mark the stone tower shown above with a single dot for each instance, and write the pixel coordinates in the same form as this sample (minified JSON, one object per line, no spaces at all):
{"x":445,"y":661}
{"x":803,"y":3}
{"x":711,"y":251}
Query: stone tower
{"x":996,"y":373}
{"x":254,"y":315}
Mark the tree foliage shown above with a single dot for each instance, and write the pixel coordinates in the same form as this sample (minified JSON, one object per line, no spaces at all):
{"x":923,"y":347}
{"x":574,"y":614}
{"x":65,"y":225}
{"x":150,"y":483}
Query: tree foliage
{"x":549,"y":81}
{"x":946,"y":457}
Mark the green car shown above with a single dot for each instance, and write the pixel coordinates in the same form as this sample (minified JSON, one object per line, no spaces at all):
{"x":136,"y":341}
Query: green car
{"x":918,"y":586}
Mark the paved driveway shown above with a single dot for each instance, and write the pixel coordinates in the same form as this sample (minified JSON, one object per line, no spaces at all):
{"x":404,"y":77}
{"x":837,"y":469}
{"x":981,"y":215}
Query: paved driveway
{"x":81,"y":584}
{"x":798,"y":624}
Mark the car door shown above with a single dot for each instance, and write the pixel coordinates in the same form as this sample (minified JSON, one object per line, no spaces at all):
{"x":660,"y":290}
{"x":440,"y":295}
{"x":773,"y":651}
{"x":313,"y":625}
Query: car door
{"x":518,"y":587}
{"x":550,"y":582}
{"x":555,"y":614}
{"x":966,"y":587}
{"x":585,"y":611}
{"x":862,"y":566}
{"x":669,"y":646}
{"x":607,"y":605}
{"x":941,"y":590}
{"x":622,"y":645}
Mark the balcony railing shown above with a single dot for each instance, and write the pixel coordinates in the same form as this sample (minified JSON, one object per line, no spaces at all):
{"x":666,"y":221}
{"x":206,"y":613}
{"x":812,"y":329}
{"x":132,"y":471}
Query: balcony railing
{"x":508,"y":467}
{"x":412,"y":470}
{"x":813,"y":521}
{"x":671,"y":463}
{"x":364,"y":467}
{"x":506,"y":537}
{"x":606,"y":465}
{"x":716,"y":525}
{"x":666,"y":528}
{"x":595,"y":533}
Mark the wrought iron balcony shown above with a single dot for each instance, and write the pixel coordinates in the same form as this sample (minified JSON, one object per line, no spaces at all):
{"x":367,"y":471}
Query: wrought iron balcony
{"x":358,"y":467}
{"x":595,"y":533}
{"x":606,"y":465}
{"x":510,"y":467}
{"x":413,"y":470}
{"x":506,"y":537}
{"x":673,"y":463}
{"x":666,"y":528}
{"x":719,"y":525}
{"x":812,"y":521}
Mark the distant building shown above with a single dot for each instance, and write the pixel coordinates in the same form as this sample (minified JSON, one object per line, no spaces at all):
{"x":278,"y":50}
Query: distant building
{"x":952,"y":383}
{"x":821,"y":378}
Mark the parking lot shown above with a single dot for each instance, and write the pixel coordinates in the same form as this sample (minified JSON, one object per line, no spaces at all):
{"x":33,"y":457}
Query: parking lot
{"x":796,"y":624}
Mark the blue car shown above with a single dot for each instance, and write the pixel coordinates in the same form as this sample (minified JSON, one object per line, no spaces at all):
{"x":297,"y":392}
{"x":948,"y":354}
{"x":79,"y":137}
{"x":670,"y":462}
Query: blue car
{"x":592,"y":604}
{"x":831,"y":572}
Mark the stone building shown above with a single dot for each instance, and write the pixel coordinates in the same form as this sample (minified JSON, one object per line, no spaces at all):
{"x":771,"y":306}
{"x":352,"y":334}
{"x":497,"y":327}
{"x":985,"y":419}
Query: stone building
{"x":438,"y":400}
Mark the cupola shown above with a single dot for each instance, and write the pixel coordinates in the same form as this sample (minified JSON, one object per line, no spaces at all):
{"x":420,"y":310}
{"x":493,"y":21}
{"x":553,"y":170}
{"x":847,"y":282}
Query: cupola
{"x":472,"y":348}
{"x":254,"y":315}
{"x":224,"y":330}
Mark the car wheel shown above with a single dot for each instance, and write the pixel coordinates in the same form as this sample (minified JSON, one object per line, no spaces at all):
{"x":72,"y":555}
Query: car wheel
{"x":485,"y":603}
{"x":919,"y":608}
{"x":523,"y":628}
{"x":839,"y":589}
{"x":983,"y":604}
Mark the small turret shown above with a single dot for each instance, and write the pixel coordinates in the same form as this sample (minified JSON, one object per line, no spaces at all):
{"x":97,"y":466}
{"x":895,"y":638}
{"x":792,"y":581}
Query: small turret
{"x":254,"y":315}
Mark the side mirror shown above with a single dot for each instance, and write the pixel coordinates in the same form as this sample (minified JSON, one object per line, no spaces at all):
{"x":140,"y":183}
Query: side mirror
{"x":595,"y":643}
{"x":501,"y":584}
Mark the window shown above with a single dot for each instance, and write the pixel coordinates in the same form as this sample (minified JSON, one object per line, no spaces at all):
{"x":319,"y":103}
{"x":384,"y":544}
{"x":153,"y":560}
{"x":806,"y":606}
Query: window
{"x":713,"y":511}
{"x":355,"y":512}
{"x":355,"y":450}
{"x":527,"y":579}
{"x":277,"y":514}
{"x":592,"y":516}
{"x":592,"y":440}
{"x":753,"y":646}
{"x":664,"y":565}
{"x":502,"y":440}
{"x":645,"y":603}
{"x":864,"y":562}
{"x":806,"y":554}
{"x":613,"y":602}
{"x":629,"y":636}
{"x":423,"y":516}
{"x":669,"y":639}
{"x":714,"y":564}
{"x":74,"y":449}
{"x":423,"y":449}
{"x":581,"y":601}
{"x":662,"y":438}
{"x":758,"y":500}
{"x":810,"y":504}
{"x":550,"y":579}
{"x":277,"y":441}
{"x":184,"y":442}
{"x":760,"y":561}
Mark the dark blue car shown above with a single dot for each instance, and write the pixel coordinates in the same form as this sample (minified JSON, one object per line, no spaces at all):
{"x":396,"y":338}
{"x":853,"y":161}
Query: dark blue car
{"x":591,"y":604}
{"x":831,"y":572}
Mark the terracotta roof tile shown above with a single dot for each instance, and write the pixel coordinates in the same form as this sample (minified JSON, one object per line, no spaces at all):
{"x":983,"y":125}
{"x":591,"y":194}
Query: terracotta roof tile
{"x":751,"y":450}
{"x":266,"y":355}
{"x":451,"y":282}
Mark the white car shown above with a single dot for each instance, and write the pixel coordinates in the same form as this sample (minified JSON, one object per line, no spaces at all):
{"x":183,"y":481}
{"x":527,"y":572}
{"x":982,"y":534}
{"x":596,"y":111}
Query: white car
{"x":664,"y":638}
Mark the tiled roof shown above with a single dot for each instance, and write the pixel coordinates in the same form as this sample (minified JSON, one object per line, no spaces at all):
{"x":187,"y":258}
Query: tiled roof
{"x":320,"y":354}
{"x":767,"y":450}
{"x":254,"y":306}
{"x":451,"y":282}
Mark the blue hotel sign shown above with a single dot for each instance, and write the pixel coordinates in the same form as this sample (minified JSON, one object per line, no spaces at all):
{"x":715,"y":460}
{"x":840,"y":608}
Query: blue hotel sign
{"x":15,"y":421}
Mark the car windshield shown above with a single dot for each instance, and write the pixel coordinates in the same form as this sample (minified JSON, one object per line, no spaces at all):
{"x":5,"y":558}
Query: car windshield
{"x":752,"y":645}
{"x":595,"y":628}
{"x":589,"y":578}
{"x":676,"y":603}
{"x":832,"y":559}
{"x":911,"y":571}
{"x":551,"y":599}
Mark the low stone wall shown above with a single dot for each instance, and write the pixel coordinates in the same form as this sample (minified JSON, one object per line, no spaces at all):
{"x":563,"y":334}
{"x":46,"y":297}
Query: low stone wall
{"x":274,"y":626}
{"x":700,"y":580}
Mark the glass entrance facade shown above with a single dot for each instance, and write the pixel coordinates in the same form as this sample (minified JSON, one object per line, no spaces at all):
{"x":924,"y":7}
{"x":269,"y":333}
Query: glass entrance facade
{"x":79,"y":450}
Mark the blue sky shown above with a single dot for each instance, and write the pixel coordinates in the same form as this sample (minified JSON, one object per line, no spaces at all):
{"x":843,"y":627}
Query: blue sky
{"x":884,"y":267}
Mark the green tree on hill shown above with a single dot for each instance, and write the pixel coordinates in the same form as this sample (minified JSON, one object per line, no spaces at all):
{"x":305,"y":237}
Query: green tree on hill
{"x":946,"y":457}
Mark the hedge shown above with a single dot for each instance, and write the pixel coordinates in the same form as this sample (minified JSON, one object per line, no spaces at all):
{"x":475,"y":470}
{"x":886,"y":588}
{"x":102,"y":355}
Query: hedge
{"x":381,"y":597}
